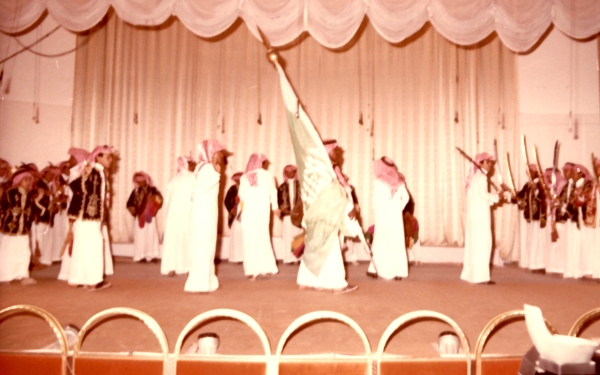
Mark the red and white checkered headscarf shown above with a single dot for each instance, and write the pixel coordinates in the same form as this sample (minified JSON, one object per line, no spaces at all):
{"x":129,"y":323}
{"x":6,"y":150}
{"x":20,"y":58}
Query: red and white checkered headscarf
{"x":100,"y":150}
{"x":386,"y":171}
{"x":19,"y":175}
{"x":479,"y":158}
{"x":142,"y":176}
{"x":79,"y":154}
{"x":289,"y":168}
{"x":561,"y":181}
{"x":254,"y":164}
{"x":586,"y":173}
{"x":183,"y":163}
{"x":206,"y":150}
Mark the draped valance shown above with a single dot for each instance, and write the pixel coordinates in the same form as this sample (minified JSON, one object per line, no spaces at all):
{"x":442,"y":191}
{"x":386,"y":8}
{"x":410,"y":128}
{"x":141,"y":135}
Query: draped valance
{"x":333,"y":23}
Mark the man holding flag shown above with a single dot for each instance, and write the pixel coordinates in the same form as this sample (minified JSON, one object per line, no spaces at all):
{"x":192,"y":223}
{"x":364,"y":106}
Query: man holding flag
{"x":328,"y":209}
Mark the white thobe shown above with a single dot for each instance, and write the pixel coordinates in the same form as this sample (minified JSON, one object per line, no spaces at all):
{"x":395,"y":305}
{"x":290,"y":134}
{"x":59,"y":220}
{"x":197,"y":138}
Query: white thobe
{"x":42,"y":235}
{"x":590,"y":246}
{"x":59,"y":233}
{"x":87,"y":261}
{"x":65,"y":264}
{"x":236,"y":243}
{"x":146,"y":244}
{"x":88,"y":255}
{"x":527,"y":228}
{"x":332,"y":275}
{"x":557,"y":251}
{"x":289,"y":230}
{"x":389,"y":247}
{"x":108,"y":260}
{"x":538,"y":246}
{"x":15,"y":254}
{"x":258,"y":201}
{"x":176,"y":254}
{"x":574,"y":250}
{"x":203,"y":235}
{"x":478,"y":230}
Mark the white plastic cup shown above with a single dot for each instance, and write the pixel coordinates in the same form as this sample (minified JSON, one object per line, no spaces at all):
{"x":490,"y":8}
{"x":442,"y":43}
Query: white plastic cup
{"x":448,"y":343}
{"x":71,"y":333}
{"x":208,"y":343}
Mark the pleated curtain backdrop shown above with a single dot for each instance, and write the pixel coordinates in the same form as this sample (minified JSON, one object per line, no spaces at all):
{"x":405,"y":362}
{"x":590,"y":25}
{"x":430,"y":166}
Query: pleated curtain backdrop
{"x":155,"y":93}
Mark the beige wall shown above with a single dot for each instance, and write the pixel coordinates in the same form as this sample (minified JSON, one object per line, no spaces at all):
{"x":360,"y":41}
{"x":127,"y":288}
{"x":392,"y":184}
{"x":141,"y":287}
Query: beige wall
{"x":560,"y":76}
{"x":546,"y":77}
{"x":21,"y":138}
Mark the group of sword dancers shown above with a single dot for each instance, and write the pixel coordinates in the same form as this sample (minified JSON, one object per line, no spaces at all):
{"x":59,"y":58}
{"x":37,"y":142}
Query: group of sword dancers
{"x":561,"y":215}
{"x":44,"y":209}
{"x":67,"y":206}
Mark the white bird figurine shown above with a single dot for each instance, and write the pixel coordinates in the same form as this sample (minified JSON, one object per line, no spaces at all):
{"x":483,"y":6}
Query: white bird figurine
{"x":559,"y":349}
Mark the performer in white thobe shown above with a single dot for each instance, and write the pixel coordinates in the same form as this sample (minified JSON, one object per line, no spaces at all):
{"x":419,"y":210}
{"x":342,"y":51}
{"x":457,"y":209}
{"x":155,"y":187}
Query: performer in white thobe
{"x":74,"y":167}
{"x":15,"y":225}
{"x":478,"y":226}
{"x":42,"y":235}
{"x":389,"y":198}
{"x":60,"y":221}
{"x":290,"y":206}
{"x":143,"y":204}
{"x":575,"y":181}
{"x":176,"y":254}
{"x":531,"y":199}
{"x":557,"y":243}
{"x":205,"y":214}
{"x":258,"y":197}
{"x":236,"y":245}
{"x":89,"y":209}
{"x":332,"y":275}
{"x":588,"y":217}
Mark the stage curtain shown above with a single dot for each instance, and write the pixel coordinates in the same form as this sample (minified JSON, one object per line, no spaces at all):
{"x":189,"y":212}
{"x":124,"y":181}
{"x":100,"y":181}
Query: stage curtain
{"x":155,"y":93}
{"x":519,"y":23}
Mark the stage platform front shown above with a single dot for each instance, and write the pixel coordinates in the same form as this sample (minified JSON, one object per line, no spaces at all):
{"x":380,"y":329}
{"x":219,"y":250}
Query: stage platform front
{"x":275,"y":302}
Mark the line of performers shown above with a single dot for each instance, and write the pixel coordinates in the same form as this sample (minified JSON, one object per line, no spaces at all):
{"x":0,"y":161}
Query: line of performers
{"x":560,"y":211}
{"x":561,"y":215}
{"x":61,"y":212}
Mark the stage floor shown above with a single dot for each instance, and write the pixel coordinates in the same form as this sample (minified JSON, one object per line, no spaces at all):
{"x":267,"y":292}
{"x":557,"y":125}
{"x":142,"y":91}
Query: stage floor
{"x":275,"y":302}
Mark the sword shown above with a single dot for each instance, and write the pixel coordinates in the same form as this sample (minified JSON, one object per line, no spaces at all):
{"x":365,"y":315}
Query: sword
{"x":555,"y":168}
{"x":67,"y":242}
{"x":540,"y":170}
{"x":526,"y":157}
{"x":510,"y":174}
{"x":499,"y":164}
{"x":478,"y":167}
{"x":554,"y":233}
